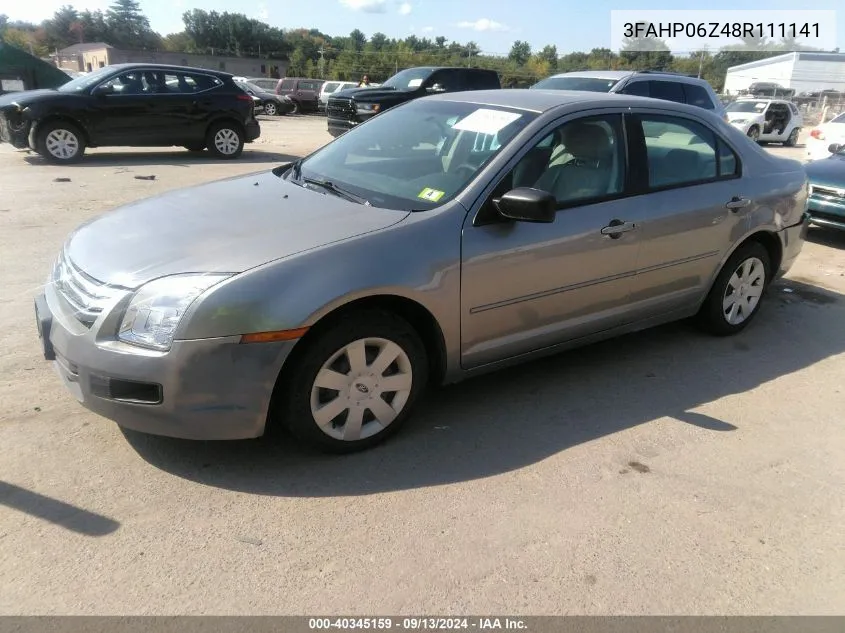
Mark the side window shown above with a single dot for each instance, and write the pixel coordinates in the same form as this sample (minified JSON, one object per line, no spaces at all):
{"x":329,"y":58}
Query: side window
{"x":197,"y":83}
{"x":794,"y":108}
{"x":287,"y":84}
{"x":698,"y":96}
{"x":479,"y":81}
{"x":668,"y":91}
{"x":444,"y":81}
{"x":581,"y":161}
{"x":682,"y":152}
{"x":129,"y":83}
{"x":307,"y":85}
{"x":637,"y":88}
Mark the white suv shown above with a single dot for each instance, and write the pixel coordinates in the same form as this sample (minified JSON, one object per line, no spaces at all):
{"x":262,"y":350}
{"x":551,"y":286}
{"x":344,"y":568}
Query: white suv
{"x":329,"y":88}
{"x":767,"y":120}
{"x":642,"y":83}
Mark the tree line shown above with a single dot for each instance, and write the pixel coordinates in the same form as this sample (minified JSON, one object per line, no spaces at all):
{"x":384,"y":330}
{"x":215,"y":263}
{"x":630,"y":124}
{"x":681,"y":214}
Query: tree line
{"x":311,"y":53}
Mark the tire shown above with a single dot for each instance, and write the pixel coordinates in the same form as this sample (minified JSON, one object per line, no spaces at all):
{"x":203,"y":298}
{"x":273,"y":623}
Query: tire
{"x":792,"y":141}
{"x":225,"y":140}
{"x":297,"y":109}
{"x":60,"y":142}
{"x":750,"y":260}
{"x":754,"y":133}
{"x":370,"y":332}
{"x":271,"y":109}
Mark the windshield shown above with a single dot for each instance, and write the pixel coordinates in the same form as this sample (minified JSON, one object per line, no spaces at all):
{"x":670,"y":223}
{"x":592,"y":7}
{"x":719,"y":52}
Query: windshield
{"x":417,"y":156}
{"x":408,"y":79}
{"x":747,"y":106}
{"x":87,"y":81}
{"x":589,"y":84}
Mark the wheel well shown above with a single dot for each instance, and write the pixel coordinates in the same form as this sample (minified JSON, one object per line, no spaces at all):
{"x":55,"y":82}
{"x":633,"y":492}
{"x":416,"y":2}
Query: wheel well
{"x":415,"y":314}
{"x":227,"y":120}
{"x":65,"y":119}
{"x":772,"y":244}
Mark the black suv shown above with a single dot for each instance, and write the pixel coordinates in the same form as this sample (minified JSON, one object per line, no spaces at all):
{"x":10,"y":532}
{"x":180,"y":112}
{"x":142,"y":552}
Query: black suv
{"x":143,"y":105}
{"x":348,"y":108}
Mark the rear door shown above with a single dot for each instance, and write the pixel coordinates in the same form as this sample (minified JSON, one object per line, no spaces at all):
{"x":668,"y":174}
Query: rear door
{"x":684,"y":221}
{"x":698,"y":96}
{"x":308,"y":93}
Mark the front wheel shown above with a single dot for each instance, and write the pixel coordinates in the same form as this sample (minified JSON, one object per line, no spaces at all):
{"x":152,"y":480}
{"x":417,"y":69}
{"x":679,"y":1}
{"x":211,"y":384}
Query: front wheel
{"x":270,"y":109}
{"x":355,"y":384}
{"x":225,"y":140}
{"x":735,"y":296}
{"x":60,"y":142}
{"x":754,"y":133}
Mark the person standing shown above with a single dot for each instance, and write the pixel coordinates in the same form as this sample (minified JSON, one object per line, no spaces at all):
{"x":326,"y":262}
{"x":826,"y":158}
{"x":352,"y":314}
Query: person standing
{"x":365,"y":82}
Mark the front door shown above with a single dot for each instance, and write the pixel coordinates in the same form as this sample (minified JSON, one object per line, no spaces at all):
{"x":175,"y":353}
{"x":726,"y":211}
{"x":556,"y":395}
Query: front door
{"x":528,"y":286}
{"x":127,"y":111}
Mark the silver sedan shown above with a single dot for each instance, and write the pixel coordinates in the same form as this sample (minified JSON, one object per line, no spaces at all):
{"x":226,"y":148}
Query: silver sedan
{"x":447,"y":237}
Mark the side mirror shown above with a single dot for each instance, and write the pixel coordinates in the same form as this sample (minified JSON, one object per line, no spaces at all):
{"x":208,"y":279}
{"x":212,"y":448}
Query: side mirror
{"x":834,"y":147}
{"x":525,"y":204}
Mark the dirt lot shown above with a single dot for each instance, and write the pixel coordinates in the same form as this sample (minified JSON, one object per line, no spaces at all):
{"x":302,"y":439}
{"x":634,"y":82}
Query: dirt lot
{"x":665,"y":472}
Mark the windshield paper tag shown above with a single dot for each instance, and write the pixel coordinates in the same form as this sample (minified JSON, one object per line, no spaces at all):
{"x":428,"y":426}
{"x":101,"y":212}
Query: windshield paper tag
{"x":486,"y":121}
{"x":432,"y":195}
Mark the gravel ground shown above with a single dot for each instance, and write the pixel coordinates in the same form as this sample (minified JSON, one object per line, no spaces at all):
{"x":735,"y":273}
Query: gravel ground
{"x":661,"y":473}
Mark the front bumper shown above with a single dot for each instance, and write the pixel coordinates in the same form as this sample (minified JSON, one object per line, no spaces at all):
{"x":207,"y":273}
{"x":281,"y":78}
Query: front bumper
{"x":827,"y":213}
{"x":209,"y":389}
{"x":340,"y":126}
{"x":253,"y":130}
{"x":14,"y":130}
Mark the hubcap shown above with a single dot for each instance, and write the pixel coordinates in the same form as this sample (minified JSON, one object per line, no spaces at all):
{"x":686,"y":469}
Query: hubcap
{"x":745,"y":287}
{"x":270,"y":109}
{"x":361,"y":389}
{"x":62,"y":144}
{"x":226,"y":141}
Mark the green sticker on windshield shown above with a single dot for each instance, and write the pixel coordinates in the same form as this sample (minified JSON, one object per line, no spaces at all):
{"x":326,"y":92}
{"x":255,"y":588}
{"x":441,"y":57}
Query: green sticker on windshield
{"x":432,"y":195}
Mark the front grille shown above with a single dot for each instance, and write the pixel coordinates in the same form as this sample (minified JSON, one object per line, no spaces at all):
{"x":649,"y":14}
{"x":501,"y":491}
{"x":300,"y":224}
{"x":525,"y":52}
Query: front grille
{"x":829,"y":217}
{"x":340,"y":108}
{"x":827,"y":192}
{"x":86,"y":296}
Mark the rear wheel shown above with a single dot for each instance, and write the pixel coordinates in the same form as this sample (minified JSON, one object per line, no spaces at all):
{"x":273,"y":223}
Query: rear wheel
{"x":60,"y":142}
{"x":296,"y":108}
{"x":355,"y":384}
{"x":225,"y":140}
{"x":737,"y":292}
{"x":792,"y":141}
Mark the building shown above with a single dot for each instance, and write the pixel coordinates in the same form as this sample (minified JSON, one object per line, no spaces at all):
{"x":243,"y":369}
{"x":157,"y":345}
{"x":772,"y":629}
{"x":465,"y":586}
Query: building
{"x":799,"y":71}
{"x":88,"y":57}
{"x":21,"y":71}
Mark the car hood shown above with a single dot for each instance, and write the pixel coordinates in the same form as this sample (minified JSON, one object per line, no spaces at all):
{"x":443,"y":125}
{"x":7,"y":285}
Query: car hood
{"x":828,"y":171}
{"x":370,"y":94}
{"x":25,"y":97}
{"x":742,"y":116}
{"x":226,"y":226}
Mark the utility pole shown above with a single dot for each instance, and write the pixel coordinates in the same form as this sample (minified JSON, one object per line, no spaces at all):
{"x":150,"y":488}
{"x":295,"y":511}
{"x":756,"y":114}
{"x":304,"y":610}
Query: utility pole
{"x":700,"y":63}
{"x":322,"y":63}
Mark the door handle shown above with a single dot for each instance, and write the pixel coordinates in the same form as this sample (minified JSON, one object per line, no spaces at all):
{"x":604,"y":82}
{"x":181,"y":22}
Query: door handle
{"x":616,"y":228}
{"x":738,"y":202}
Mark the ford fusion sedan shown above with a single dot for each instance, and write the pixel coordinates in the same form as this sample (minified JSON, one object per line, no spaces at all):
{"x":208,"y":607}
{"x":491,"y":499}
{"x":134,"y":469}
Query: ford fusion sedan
{"x":826,"y":205}
{"x":142,"y":105}
{"x":449,"y":236}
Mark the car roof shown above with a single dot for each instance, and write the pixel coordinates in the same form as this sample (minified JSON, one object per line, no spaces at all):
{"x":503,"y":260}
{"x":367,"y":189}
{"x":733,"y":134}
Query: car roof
{"x":598,"y":74}
{"x":186,"y":69}
{"x":540,"y":101}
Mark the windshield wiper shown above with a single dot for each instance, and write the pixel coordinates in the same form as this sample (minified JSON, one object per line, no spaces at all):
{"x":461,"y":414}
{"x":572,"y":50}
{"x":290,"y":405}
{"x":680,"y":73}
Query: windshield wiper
{"x":338,"y":191}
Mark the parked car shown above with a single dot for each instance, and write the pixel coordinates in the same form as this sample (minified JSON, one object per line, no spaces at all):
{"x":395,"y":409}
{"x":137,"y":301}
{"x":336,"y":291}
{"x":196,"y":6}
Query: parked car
{"x":822,"y":136}
{"x":767,"y":120}
{"x":768,"y":89}
{"x":270,"y":103}
{"x":267,"y":84}
{"x":143,"y":105}
{"x":446,"y":237}
{"x":643,"y":83}
{"x":346,"y":110}
{"x":304,"y":93}
{"x":330,"y":88}
{"x":826,"y":204}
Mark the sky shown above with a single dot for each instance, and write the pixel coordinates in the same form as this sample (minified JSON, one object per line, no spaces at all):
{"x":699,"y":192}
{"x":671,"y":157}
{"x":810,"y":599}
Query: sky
{"x":493,"y":24}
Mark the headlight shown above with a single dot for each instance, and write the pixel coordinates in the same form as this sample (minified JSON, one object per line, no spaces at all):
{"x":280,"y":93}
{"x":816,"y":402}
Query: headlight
{"x":367,"y":108}
{"x":157,"y":308}
{"x":739,"y":121}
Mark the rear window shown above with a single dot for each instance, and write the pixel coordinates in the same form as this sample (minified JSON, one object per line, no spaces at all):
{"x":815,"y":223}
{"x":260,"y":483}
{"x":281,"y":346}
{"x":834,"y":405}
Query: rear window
{"x":330,"y":87}
{"x":668,"y":91}
{"x":698,"y":96}
{"x":590,"y":84}
{"x":481,"y":81}
{"x":307,"y":85}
